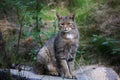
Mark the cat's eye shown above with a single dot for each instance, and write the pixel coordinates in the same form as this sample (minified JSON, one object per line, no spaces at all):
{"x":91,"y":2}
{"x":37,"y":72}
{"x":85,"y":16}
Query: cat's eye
{"x":62,"y":23}
{"x":68,"y":23}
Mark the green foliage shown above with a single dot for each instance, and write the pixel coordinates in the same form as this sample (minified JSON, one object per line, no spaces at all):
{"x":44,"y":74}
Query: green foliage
{"x":102,"y":44}
{"x":84,"y":17}
{"x":84,"y":14}
{"x":79,"y":54}
{"x":5,"y":58}
{"x":113,"y":3}
{"x":4,"y":4}
{"x":83,"y":4}
{"x":115,"y":46}
{"x":33,"y":54}
{"x":106,"y":46}
{"x":35,"y":35}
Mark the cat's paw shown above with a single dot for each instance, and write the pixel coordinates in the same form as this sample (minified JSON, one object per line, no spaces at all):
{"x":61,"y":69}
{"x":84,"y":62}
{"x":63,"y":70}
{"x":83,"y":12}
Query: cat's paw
{"x":54,"y":73}
{"x":74,"y":77}
{"x":68,"y":75}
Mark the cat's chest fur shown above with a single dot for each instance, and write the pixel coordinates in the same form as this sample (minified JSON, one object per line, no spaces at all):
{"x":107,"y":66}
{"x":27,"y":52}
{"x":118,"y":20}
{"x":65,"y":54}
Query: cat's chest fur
{"x":69,"y":36}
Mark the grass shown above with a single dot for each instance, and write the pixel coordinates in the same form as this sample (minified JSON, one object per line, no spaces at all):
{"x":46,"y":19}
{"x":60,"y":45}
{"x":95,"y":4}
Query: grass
{"x":50,"y":14}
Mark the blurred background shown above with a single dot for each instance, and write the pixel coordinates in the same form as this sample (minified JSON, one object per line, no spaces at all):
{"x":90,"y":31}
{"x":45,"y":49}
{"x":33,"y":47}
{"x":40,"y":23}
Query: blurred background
{"x":25,"y":25}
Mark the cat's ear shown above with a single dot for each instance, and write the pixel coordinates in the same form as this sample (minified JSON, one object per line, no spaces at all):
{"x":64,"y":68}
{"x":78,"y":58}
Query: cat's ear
{"x":72,"y":16}
{"x":58,"y":16}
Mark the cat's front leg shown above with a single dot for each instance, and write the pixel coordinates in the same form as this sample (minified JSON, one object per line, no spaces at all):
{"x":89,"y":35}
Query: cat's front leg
{"x":52,"y":69}
{"x":64,"y":70}
{"x":71,"y":68}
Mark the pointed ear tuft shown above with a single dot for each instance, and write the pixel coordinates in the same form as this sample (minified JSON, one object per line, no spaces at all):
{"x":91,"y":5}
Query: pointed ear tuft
{"x":58,"y":16}
{"x":72,"y":16}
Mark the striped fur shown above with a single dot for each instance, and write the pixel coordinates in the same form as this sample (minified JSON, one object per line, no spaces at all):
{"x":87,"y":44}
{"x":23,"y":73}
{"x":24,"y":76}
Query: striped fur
{"x":58,"y":54}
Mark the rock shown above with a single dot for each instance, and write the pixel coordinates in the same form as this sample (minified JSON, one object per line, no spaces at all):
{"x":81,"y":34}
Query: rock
{"x":32,"y":76}
{"x":5,"y":75}
{"x":84,"y":73}
{"x":97,"y":73}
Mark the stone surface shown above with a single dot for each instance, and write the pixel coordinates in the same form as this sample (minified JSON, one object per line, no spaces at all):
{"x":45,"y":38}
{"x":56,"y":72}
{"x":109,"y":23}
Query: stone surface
{"x":33,"y":76}
{"x":84,"y":73}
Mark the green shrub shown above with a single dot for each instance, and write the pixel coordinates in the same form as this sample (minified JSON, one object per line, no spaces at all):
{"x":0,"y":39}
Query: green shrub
{"x":106,"y":46}
{"x":102,"y":45}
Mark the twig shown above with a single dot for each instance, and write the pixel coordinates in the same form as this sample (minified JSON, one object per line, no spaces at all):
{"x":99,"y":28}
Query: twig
{"x":20,"y":32}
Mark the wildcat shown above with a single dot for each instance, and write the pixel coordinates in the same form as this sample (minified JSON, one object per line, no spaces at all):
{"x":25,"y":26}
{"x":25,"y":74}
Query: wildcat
{"x":57,"y":56}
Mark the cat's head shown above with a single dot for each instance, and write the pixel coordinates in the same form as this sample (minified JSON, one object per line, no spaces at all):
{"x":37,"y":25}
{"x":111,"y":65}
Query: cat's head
{"x":66,"y":23}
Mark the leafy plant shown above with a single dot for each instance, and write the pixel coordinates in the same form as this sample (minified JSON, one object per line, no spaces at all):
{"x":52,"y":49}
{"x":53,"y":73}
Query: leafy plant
{"x":102,"y":44}
{"x":33,"y":54}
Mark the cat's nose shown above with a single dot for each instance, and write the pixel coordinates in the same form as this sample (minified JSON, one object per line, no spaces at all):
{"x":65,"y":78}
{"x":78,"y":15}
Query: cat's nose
{"x":65,"y":29}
